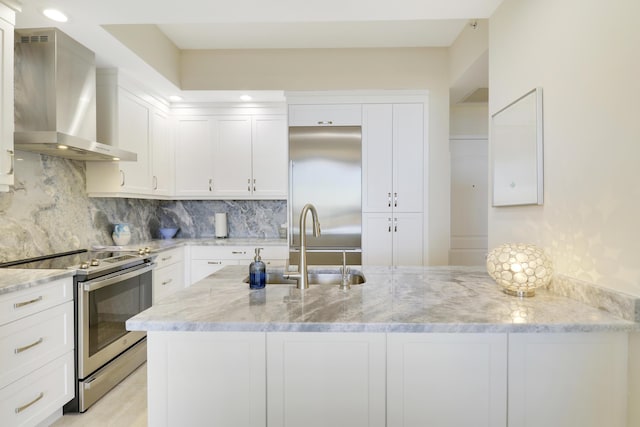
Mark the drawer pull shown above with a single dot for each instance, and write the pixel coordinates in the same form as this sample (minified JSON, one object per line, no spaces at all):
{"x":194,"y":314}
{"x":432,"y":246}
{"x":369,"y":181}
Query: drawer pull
{"x":22,"y":304}
{"x":214,"y":262}
{"x":27,"y":347}
{"x":23,"y":407}
{"x":167,"y":258}
{"x":238,"y":252}
{"x":166,"y":282}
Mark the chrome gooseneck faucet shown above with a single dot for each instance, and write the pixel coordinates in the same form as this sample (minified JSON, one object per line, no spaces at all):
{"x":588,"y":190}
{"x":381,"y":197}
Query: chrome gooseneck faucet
{"x":302,"y":276}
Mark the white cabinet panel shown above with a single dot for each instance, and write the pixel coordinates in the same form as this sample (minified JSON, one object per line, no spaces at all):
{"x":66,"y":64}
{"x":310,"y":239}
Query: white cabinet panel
{"x":206,"y":379}
{"x":33,"y":398}
{"x":7,"y":161}
{"x":16,"y":305}
{"x":269,"y":157}
{"x":377,"y":158}
{"x":162,"y":180}
{"x":392,"y":239}
{"x":133,"y":135}
{"x":194,"y":152}
{"x":326,"y":379}
{"x":325,"y":115}
{"x":568,"y":379}
{"x":232,"y":171}
{"x":447,"y":380}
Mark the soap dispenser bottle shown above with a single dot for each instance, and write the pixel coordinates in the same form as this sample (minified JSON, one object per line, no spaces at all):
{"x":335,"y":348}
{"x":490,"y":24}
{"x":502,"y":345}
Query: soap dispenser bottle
{"x":257,"y":272}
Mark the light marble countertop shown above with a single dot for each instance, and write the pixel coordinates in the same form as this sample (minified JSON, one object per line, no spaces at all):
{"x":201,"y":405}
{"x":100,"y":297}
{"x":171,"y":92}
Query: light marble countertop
{"x":13,"y":279}
{"x":406,"y":299}
{"x":164,"y":244}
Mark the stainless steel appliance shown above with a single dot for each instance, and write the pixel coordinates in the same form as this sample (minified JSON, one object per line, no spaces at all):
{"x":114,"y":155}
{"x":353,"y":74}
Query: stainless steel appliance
{"x":325,"y":169}
{"x":109,"y":288}
{"x":55,"y":98}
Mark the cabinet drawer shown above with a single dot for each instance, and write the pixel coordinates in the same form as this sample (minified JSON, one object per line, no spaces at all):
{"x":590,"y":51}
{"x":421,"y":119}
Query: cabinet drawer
{"x":36,"y":396}
{"x":201,"y":268}
{"x":169,"y":257}
{"x":30,"y":343}
{"x":222,"y":252}
{"x":167,"y":281}
{"x":16,"y":305}
{"x":325,"y":115}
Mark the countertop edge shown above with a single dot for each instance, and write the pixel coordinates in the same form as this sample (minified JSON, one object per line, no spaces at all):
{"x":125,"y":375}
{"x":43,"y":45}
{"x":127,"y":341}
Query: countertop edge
{"x":26,"y":278}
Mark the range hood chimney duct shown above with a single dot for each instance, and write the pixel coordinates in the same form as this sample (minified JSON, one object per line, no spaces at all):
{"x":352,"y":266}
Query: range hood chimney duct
{"x":55,"y":98}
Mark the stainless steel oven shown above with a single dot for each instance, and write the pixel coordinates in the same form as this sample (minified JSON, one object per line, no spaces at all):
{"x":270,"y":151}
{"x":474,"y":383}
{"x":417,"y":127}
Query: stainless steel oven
{"x":104,"y":305}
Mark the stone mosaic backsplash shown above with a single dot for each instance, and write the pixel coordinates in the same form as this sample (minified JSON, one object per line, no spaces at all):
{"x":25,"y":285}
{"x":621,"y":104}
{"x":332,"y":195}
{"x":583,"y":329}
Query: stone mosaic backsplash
{"x":48,"y":211}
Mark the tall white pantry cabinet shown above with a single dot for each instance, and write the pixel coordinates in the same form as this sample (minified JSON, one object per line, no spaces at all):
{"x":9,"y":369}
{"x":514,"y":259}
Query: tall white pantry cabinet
{"x":392,"y":184}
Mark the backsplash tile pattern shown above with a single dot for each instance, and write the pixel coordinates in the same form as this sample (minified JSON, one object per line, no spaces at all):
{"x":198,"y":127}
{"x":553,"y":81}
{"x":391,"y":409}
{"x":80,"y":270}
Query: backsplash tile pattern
{"x":47,"y":211}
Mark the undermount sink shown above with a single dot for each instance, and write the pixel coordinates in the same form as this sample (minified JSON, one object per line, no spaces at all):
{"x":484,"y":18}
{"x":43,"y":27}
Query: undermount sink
{"x":324,"y":277}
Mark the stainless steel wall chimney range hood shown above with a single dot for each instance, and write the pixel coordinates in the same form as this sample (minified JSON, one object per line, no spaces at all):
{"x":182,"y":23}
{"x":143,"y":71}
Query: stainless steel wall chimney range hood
{"x":55,"y":98}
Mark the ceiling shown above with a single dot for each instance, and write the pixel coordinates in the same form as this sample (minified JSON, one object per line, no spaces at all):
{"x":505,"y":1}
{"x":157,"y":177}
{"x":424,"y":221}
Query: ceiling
{"x":257,"y":24}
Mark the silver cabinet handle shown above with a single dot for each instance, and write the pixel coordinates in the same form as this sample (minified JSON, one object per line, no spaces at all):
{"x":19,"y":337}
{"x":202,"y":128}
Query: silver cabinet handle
{"x":23,"y":407}
{"x":238,"y":252}
{"x":389,"y":198}
{"x":166,"y":282}
{"x":22,"y":304}
{"x":395,"y":200}
{"x":12,"y":157}
{"x":27,"y":347}
{"x":155,"y":182}
{"x":210,"y":184}
{"x":121,"y":178}
{"x":254,"y":184}
{"x":389,"y":225}
{"x":248,"y":184}
{"x":214,"y":262}
{"x":395,"y":225}
{"x":167,"y":258}
{"x":327,"y":122}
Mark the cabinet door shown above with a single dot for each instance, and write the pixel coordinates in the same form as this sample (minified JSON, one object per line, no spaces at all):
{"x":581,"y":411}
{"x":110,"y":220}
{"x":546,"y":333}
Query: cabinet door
{"x":133,"y":135}
{"x":162,"y":155}
{"x":407,"y":239}
{"x":206,"y":379}
{"x":377,"y":239}
{"x":408,"y":157}
{"x":167,"y":280}
{"x":269,"y":154}
{"x":194,"y":157}
{"x":447,"y":380}
{"x":6,"y":101}
{"x":232,"y":171}
{"x":325,"y":115}
{"x":377,"y":158}
{"x":326,"y":379}
{"x":568,"y":379}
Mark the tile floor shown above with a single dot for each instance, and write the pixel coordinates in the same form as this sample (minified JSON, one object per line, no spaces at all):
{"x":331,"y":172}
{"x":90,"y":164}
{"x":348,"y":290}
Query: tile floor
{"x":124,"y":406}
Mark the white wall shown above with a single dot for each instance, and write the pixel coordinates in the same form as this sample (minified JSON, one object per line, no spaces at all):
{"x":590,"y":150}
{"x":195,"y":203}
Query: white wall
{"x":469,"y":120}
{"x":586,"y":58}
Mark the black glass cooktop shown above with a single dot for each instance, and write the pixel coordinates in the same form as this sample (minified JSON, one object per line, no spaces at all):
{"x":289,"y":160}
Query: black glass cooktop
{"x":60,"y":261}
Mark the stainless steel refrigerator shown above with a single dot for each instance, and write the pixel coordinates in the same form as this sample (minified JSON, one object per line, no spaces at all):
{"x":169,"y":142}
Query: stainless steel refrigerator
{"x":325,"y":169}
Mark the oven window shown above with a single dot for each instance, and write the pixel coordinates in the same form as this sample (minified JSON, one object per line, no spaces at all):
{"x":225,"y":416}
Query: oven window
{"x":111,"y":306}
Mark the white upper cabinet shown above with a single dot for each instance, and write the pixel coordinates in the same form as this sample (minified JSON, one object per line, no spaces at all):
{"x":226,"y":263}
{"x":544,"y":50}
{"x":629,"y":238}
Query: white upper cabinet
{"x":325,"y":115}
{"x":7,"y":21}
{"x":231,"y":157}
{"x":129,"y":119}
{"x":392,"y":157}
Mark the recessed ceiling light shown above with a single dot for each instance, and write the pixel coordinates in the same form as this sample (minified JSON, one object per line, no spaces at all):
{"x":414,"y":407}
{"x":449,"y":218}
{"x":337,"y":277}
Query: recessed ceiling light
{"x":175,"y":98}
{"x":62,"y":147}
{"x":55,"y":15}
{"x":245,"y":98}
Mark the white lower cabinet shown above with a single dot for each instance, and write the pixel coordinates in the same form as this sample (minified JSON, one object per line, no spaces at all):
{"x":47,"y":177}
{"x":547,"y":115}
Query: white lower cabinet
{"x":326,"y":379}
{"x":568,"y":379}
{"x":168,"y":276}
{"x":36,"y":352}
{"x":446,"y":379}
{"x":206,"y":379}
{"x":387,"y":379}
{"x":206,"y":260}
{"x":392,"y":239}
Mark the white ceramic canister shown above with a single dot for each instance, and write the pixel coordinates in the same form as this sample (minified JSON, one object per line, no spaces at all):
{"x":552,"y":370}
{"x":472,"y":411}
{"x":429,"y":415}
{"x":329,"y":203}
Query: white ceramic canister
{"x":121,"y":234}
{"x":221,"y":225}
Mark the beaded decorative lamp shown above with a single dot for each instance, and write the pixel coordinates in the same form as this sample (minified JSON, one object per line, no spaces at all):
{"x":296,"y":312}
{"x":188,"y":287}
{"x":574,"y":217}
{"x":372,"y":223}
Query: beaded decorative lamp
{"x":519,"y":268}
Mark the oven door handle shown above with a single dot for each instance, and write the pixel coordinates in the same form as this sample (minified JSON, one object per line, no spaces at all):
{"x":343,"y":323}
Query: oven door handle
{"x":92,"y":285}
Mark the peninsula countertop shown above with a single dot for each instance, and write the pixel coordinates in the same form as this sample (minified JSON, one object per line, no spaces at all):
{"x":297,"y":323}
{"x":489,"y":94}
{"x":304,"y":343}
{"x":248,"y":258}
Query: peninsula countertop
{"x":404,"y":299}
